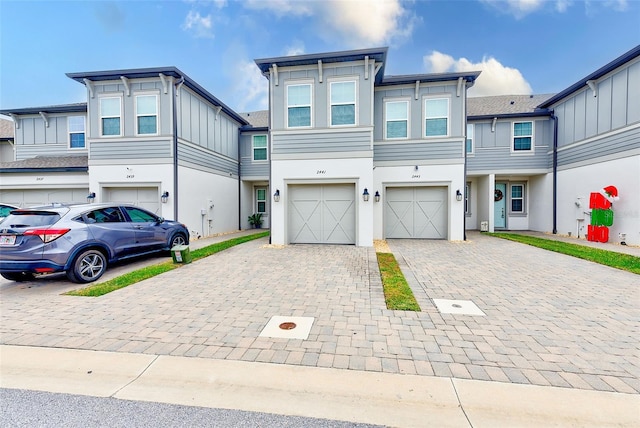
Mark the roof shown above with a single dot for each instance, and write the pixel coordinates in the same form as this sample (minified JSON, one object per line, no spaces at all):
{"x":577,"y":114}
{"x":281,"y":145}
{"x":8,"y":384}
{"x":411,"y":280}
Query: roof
{"x":7,"y":129}
{"x":141,"y":73}
{"x":621,"y":60}
{"x":377,"y":54}
{"x":61,"y":108}
{"x":256,"y":119}
{"x":78,"y":163}
{"x":469,"y":76}
{"x":505,"y":105}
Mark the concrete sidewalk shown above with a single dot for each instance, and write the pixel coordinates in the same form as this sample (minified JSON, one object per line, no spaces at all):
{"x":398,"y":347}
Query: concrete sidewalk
{"x":356,"y":396}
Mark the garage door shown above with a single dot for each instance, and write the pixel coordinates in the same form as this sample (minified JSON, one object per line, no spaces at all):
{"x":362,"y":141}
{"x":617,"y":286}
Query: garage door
{"x":33,"y":197}
{"x":416,"y":212}
{"x":145,"y":197}
{"x":322,"y":214}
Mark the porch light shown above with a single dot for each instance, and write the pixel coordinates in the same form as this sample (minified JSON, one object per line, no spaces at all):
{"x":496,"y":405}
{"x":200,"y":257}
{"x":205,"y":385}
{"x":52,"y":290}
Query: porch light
{"x":377,"y":196}
{"x":365,"y":195}
{"x":458,"y":195}
{"x":165,"y":197}
{"x":276,"y":196}
{"x":91,"y":197}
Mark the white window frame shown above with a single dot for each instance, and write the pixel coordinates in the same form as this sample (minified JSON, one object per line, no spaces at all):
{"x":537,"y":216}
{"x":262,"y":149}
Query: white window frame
{"x":513,"y":137}
{"x":524,"y":199}
{"x":253,"y":148}
{"x":70,"y":132}
{"x":265,"y":200}
{"x":426,"y":99}
{"x":146,"y":94}
{"x":110,"y":96}
{"x":407,"y":101}
{"x":309,"y":83}
{"x":345,"y":79}
{"x":470,"y":136}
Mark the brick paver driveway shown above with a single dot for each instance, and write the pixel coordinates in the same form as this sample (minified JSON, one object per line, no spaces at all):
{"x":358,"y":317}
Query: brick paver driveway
{"x":550,"y":319}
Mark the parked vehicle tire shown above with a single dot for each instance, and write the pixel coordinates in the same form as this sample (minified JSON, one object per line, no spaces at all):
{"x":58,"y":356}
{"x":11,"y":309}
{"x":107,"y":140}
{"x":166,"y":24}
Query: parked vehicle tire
{"x":88,"y":266}
{"x":178,"y":239}
{"x":18,"y":276}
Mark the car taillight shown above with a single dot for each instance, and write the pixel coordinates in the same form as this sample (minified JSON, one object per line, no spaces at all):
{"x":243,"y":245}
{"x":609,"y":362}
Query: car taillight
{"x":47,"y":235}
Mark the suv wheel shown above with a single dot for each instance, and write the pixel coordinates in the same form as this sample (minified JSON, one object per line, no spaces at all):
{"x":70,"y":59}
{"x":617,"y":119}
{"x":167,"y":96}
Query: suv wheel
{"x":18,"y":276}
{"x":178,"y":239}
{"x":87,"y":266}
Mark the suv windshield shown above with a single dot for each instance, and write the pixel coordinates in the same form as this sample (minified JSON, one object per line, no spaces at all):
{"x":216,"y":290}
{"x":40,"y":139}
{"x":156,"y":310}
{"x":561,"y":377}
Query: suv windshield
{"x":30,"y":219}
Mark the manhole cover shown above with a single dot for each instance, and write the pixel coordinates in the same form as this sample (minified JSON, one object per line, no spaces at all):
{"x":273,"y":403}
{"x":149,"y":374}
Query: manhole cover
{"x":287,"y":325}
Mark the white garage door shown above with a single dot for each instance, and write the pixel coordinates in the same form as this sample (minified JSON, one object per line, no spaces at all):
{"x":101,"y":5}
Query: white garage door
{"x":33,"y":197}
{"x":416,"y":212}
{"x":145,"y":197}
{"x":322,"y":214}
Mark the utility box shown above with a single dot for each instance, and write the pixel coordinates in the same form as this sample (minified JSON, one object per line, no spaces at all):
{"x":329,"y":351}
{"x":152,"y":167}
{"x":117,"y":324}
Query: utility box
{"x":484,"y":226}
{"x":181,"y":254}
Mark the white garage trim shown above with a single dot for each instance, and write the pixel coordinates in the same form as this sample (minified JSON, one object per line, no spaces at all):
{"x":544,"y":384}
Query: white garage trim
{"x":416,"y":212}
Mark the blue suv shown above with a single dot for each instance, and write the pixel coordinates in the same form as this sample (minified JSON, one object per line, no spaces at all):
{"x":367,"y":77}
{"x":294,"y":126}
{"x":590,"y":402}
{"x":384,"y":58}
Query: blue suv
{"x":81,"y":240}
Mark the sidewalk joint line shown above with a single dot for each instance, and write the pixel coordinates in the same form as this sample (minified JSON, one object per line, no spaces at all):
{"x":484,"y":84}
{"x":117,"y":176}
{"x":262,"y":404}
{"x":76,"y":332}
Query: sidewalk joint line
{"x":459,"y":402}
{"x":136,"y":378}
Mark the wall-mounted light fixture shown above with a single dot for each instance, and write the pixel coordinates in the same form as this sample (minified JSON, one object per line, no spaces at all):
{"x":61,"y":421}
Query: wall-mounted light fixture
{"x":91,"y":197}
{"x":458,"y":195}
{"x":377,"y":196}
{"x":276,"y":196}
{"x":164,"y":197}
{"x":365,"y":195}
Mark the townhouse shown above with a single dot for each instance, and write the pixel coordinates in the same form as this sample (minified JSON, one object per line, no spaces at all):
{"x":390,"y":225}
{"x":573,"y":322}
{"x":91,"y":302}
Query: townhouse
{"x":344,"y":155}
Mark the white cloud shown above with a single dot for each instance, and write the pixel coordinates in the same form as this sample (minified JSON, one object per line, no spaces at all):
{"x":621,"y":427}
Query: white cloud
{"x":251,"y":86}
{"x":200,"y":26}
{"x":283,"y":7}
{"x":495,"y":79}
{"x":296,"y":48}
{"x":521,"y":8}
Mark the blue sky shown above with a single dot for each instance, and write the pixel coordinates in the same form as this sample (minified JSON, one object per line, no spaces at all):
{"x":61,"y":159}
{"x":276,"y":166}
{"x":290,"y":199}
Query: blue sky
{"x":521,"y":46}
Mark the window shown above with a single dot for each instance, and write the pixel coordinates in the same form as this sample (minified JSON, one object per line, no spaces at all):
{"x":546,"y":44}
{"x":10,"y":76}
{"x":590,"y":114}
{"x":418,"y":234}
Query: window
{"x":261,"y":200}
{"x":110,"y":116}
{"x":147,"y":114}
{"x":139,"y":215}
{"x":76,"y":132}
{"x":469,"y":138}
{"x":343,"y":103}
{"x":517,"y":198}
{"x":467,"y":197}
{"x":298,"y":105}
{"x":436,"y":114}
{"x":259,"y":147}
{"x":105,"y":215}
{"x":396,"y":123}
{"x":522,"y":135}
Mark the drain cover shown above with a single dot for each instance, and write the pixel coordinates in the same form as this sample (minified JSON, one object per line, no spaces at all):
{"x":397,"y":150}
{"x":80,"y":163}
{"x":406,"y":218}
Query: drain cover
{"x":287,"y":325}
{"x":459,"y":307}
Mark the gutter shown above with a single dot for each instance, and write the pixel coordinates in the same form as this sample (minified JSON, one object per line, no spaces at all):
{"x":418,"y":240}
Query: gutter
{"x":555,"y":172}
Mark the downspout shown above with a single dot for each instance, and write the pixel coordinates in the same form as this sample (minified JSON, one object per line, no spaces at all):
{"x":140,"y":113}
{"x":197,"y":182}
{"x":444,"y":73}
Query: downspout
{"x":176,"y":85}
{"x":464,"y":183}
{"x":555,"y":172}
{"x":239,"y":183}
{"x":269,"y":154}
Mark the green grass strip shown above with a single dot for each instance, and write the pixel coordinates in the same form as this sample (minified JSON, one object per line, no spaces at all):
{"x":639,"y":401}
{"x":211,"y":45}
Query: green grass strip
{"x":612,"y":259}
{"x":127,"y":279}
{"x":397,"y":293}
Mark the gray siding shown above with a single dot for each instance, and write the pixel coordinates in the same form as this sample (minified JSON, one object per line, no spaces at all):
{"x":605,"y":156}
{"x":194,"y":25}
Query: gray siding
{"x":34,"y":138}
{"x":595,"y":150}
{"x":136,"y":149}
{"x":249,"y":168}
{"x":206,"y":160}
{"x":318,"y":142}
{"x":199,"y":124}
{"x":418,"y":151}
{"x":31,"y":151}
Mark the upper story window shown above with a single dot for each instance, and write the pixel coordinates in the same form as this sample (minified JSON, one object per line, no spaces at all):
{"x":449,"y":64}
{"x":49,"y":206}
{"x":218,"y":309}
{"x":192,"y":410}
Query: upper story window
{"x":146,"y":114}
{"x":517,"y":198}
{"x":76,"y":132}
{"x":396,"y":119}
{"x":110,"y":108}
{"x":522,"y":136}
{"x":299,"y":105}
{"x":343,"y":103}
{"x":259,"y":147}
{"x":436,"y":117}
{"x":469,"y":143}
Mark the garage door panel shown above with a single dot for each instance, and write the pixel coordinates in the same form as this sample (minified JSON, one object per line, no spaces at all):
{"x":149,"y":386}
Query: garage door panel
{"x":33,"y":197}
{"x":144,"y":197}
{"x":416,"y":212}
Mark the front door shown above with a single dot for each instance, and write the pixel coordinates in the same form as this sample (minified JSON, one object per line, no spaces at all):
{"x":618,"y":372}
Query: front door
{"x":499,"y":206}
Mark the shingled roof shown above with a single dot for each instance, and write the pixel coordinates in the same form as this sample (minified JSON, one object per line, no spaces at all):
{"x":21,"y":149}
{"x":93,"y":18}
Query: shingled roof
{"x":48,"y":163}
{"x":256,"y":119}
{"x":7,"y":129}
{"x":504,"y":105}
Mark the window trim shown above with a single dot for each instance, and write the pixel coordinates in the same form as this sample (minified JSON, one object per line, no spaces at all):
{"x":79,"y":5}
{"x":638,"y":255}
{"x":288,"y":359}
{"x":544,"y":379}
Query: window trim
{"x":307,"y":82}
{"x":467,"y":199}
{"x":524,"y":199}
{"x":157,"y":115}
{"x":513,"y":137}
{"x":473,"y":132}
{"x":407,"y":101}
{"x":84,"y":132}
{"x":253,"y":148}
{"x":343,"y":79}
{"x":434,"y":97}
{"x":115,"y":97}
{"x":257,"y":201}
